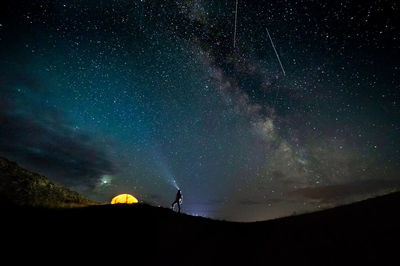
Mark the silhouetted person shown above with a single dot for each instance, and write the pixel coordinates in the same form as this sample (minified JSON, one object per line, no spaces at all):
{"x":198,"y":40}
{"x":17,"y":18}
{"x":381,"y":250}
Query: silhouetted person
{"x":178,"y":200}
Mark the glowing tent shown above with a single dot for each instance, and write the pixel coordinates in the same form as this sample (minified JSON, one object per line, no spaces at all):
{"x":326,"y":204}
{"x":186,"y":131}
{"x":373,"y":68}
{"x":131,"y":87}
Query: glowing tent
{"x":124,"y":199}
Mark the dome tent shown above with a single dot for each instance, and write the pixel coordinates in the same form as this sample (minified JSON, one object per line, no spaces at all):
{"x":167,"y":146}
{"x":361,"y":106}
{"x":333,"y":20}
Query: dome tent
{"x":124,"y":199}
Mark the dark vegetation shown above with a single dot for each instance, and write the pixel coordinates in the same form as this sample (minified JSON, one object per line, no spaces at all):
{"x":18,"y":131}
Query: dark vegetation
{"x":362,"y":233}
{"x":21,"y":187}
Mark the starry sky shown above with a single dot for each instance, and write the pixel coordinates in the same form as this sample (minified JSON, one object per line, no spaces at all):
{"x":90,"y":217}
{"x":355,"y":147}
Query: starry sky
{"x":143,"y":96}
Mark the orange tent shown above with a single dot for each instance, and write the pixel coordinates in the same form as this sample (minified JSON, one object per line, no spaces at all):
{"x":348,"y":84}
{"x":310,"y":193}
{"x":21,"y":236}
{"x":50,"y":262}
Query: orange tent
{"x":124,"y":199}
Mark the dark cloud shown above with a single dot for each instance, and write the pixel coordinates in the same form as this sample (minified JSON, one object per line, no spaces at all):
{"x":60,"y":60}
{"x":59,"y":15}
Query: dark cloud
{"x":331,"y":193}
{"x":54,"y":149}
{"x":40,"y":138}
{"x":249,"y":202}
{"x":208,"y":202}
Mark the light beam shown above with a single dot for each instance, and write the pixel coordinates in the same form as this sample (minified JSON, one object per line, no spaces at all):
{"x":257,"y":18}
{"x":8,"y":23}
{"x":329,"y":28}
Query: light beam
{"x":234,"y":33}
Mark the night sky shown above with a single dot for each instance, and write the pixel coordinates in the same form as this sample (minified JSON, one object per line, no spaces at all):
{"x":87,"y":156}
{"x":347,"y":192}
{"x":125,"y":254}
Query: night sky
{"x":131,"y":96}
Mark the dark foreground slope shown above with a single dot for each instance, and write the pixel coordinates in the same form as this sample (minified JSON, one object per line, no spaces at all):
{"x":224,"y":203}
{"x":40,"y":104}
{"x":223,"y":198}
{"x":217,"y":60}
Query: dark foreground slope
{"x":362,"y":233}
{"x":21,"y":187}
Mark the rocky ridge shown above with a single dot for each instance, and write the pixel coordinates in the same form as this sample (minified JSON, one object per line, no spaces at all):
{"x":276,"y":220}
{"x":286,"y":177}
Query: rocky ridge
{"x":21,"y":187}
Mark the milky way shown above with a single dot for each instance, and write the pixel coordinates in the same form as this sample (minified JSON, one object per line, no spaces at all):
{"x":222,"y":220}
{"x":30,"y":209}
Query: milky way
{"x":140,"y":97}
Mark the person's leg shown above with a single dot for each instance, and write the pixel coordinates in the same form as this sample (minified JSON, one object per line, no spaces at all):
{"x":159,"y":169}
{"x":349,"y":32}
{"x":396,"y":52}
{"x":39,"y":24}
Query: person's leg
{"x":179,"y":207}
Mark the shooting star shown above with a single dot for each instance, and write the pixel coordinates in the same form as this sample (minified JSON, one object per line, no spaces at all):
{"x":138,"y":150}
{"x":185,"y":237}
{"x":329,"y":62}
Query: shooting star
{"x":234,"y":33}
{"x":277,"y":55}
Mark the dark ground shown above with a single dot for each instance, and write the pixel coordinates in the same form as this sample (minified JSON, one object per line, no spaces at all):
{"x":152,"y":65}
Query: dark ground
{"x":361,"y":233}
{"x":42,"y":222}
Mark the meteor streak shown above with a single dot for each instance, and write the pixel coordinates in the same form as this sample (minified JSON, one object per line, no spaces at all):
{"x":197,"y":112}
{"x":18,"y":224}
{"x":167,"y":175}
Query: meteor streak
{"x":277,"y":55}
{"x":234,"y":33}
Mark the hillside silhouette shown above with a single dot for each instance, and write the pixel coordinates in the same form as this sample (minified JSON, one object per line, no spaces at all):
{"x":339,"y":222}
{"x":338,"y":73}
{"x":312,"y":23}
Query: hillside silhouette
{"x":21,"y":187}
{"x":362,"y":233}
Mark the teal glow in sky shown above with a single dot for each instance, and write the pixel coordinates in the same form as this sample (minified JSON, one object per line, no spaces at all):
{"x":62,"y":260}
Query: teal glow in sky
{"x":113,"y":97}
